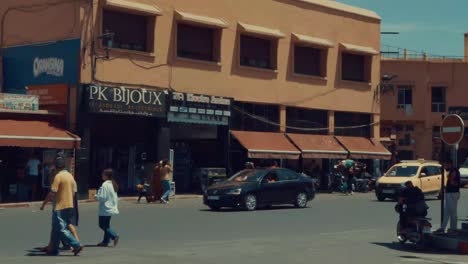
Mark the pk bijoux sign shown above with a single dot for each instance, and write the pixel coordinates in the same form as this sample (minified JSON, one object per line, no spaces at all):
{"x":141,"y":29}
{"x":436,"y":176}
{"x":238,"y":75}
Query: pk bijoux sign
{"x":122,"y":100}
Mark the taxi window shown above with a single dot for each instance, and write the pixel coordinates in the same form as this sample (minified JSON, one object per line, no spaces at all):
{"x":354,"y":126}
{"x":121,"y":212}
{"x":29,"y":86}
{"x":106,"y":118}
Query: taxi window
{"x":433,"y":170}
{"x":403,"y":171}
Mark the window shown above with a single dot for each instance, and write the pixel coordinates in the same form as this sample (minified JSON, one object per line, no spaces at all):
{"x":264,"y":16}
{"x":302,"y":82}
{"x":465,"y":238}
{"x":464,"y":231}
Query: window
{"x":433,"y":170}
{"x":287,"y":175}
{"x":198,"y":43}
{"x":257,"y":52}
{"x":436,"y":132}
{"x":245,"y":116}
{"x":131,"y":32}
{"x":309,"y":61}
{"x":352,"y":124}
{"x":354,"y":67}
{"x":405,"y":97}
{"x":406,"y":141}
{"x":438,"y":99}
{"x":405,"y":155}
{"x":306,"y":118}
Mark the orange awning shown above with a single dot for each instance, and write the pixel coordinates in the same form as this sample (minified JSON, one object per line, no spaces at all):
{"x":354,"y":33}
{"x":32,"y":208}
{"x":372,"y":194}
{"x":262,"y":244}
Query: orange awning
{"x":36,"y":134}
{"x":318,"y":146}
{"x":364,"y":148}
{"x":266,"y":145}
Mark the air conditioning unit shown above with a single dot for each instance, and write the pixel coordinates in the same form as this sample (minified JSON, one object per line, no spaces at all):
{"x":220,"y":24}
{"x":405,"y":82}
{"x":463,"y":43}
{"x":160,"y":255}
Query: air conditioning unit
{"x":409,"y":110}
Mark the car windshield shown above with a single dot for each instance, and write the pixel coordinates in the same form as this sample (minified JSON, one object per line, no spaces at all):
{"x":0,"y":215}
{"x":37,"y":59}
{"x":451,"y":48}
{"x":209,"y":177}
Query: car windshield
{"x":246,"y":176}
{"x":403,"y":171}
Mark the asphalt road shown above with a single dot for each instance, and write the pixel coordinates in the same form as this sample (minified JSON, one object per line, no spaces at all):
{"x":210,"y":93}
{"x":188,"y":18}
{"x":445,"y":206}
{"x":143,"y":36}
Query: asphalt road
{"x":334,"y":229}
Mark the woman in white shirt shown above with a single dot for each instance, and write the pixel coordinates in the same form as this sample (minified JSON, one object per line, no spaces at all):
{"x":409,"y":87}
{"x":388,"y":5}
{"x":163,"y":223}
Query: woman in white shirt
{"x":108,"y":206}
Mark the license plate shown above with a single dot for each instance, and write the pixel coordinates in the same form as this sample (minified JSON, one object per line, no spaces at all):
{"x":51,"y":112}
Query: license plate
{"x":388,"y":191}
{"x":212,"y":197}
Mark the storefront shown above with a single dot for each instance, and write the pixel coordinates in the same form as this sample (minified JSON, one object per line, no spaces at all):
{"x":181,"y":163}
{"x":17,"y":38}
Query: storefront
{"x":199,"y":127}
{"x":35,"y":116}
{"x":123,"y":129}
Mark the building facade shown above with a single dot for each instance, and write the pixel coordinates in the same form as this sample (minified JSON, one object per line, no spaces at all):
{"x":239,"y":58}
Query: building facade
{"x":172,"y":79}
{"x":423,"y":89}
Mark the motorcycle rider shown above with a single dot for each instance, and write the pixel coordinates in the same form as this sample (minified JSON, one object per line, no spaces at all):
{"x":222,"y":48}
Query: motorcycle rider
{"x":416,"y":206}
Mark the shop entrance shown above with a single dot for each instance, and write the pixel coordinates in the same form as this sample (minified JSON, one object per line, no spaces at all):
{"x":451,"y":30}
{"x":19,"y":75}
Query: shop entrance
{"x":126,"y":161}
{"x":124,"y":146}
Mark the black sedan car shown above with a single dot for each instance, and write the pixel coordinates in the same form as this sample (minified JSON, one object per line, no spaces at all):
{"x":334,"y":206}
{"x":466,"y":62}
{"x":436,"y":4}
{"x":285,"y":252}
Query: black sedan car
{"x":252,"y":189}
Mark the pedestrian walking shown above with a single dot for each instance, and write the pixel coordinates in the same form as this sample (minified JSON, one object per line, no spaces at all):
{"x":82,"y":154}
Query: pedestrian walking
{"x":165,"y":181}
{"x":452,"y":195}
{"x":71,"y":226}
{"x":108,"y":206}
{"x":62,"y":190}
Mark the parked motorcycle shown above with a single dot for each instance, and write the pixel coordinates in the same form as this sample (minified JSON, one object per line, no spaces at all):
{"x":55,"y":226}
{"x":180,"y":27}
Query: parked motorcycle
{"x":337,"y":182}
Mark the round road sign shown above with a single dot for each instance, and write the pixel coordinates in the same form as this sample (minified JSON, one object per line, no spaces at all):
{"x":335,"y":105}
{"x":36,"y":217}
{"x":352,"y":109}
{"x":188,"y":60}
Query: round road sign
{"x":452,"y":129}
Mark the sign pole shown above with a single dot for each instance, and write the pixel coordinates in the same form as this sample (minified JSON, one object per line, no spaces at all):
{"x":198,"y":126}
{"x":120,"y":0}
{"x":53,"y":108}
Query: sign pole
{"x":442,"y":189}
{"x":451,"y":131}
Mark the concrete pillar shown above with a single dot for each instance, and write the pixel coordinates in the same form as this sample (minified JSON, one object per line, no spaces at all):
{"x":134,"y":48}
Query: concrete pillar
{"x":375,"y":129}
{"x":283,"y":118}
{"x":466,"y":46}
{"x":331,"y":122}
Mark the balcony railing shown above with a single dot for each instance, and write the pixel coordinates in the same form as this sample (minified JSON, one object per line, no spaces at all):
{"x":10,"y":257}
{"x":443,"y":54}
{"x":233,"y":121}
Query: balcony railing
{"x":395,"y":53}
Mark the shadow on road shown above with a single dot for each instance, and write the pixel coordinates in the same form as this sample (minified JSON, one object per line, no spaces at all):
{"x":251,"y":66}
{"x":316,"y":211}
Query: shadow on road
{"x":37,"y":253}
{"x":409,"y":248}
{"x":232,"y":210}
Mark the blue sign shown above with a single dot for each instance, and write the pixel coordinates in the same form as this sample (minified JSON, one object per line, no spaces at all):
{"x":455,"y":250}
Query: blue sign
{"x":39,"y":64}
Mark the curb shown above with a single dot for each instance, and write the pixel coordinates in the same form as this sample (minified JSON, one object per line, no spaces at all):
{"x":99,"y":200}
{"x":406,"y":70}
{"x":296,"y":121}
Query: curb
{"x":126,"y":199}
{"x":455,"y":244}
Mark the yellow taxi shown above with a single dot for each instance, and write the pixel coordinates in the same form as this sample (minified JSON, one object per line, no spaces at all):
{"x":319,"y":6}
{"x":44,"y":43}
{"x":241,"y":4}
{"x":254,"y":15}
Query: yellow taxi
{"x":425,"y":174}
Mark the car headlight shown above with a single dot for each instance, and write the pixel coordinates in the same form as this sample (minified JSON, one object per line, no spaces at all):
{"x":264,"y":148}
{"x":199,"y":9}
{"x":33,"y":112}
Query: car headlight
{"x":234,"y":191}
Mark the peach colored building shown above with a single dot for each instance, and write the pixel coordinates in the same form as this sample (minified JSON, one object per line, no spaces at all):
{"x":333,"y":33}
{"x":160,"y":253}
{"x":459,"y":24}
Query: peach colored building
{"x":302,"y":66}
{"x":413,"y":103}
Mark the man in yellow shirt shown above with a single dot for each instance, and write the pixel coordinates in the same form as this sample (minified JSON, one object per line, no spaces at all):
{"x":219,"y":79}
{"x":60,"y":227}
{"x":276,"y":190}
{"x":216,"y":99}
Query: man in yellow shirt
{"x":63,"y":189}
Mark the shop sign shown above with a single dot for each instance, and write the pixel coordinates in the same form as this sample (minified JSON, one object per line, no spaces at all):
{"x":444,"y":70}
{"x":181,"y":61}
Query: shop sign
{"x":41,"y":63}
{"x":462,"y":111}
{"x":126,"y":101}
{"x":199,"y":109}
{"x":19,"y":102}
{"x":53,"y":94}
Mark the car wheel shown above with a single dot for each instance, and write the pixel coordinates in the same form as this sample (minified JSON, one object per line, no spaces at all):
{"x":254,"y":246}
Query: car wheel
{"x":301,"y":200}
{"x":250,"y":202}
{"x":381,"y":198}
{"x":215,"y":208}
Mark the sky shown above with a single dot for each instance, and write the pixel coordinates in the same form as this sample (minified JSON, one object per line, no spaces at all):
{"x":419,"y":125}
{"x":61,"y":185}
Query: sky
{"x":433,"y":26}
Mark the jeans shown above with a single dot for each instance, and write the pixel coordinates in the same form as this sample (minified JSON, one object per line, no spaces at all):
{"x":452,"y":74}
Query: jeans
{"x":104,"y":224}
{"x":60,"y":221}
{"x":450,"y":210}
{"x":166,"y":184}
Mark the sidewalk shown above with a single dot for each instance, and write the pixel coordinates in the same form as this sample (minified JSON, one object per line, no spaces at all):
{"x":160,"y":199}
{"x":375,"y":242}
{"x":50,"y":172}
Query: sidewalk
{"x":456,"y":242}
{"x":130,"y":198}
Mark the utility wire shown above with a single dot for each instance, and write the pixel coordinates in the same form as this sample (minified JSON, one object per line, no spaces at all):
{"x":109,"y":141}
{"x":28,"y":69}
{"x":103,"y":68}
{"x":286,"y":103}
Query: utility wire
{"x":267,"y":121}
